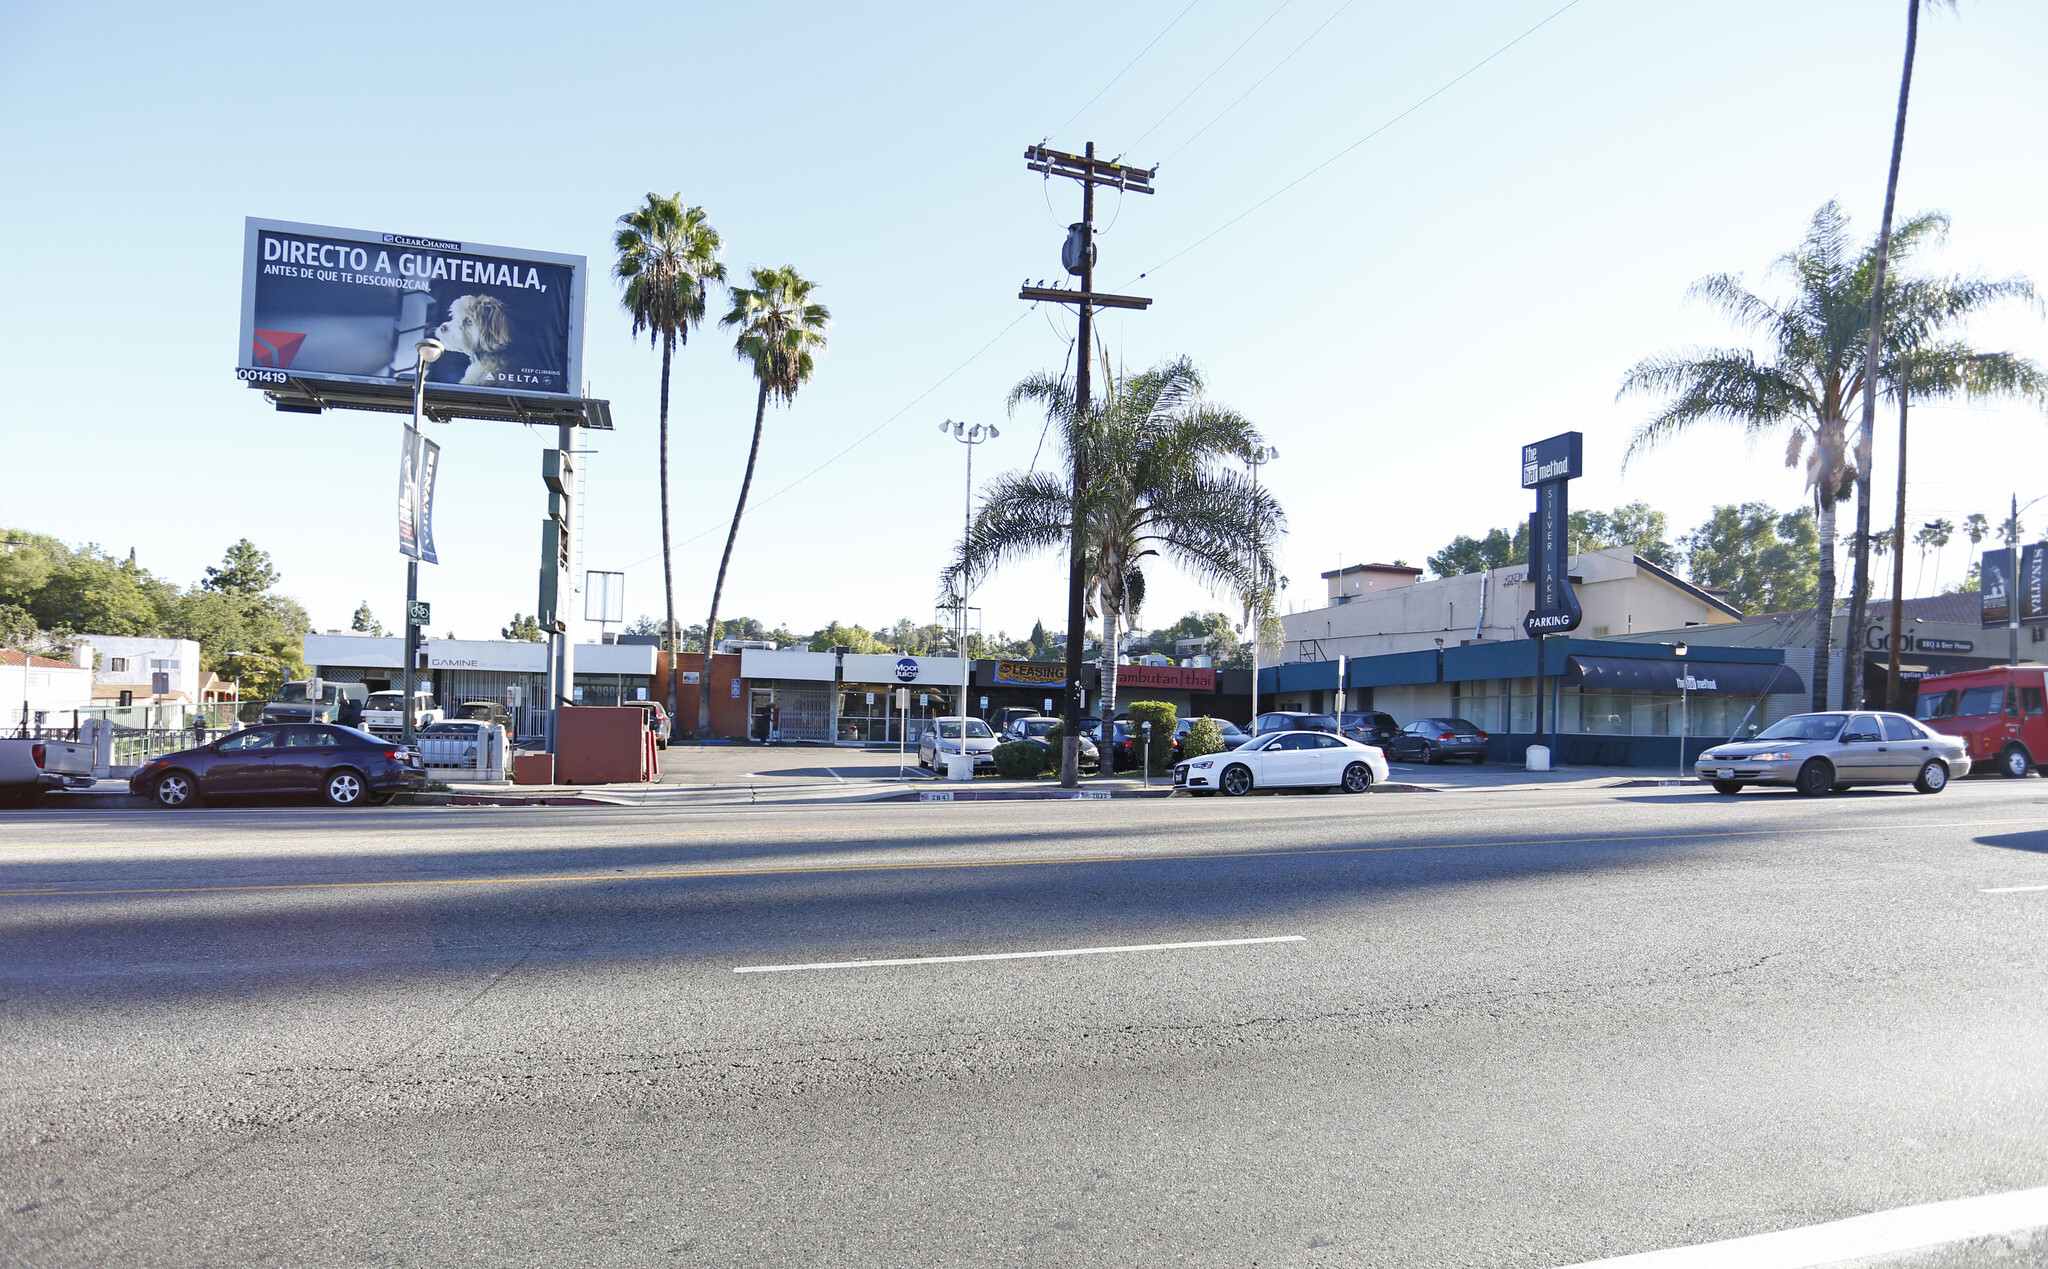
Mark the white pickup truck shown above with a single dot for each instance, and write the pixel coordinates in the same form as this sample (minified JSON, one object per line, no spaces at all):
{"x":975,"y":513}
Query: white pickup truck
{"x":30,"y":767}
{"x":384,"y":713}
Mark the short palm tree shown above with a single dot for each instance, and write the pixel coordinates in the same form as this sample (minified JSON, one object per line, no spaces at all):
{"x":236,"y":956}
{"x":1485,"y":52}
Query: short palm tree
{"x":1805,"y":386}
{"x":668,"y":257}
{"x":1161,"y":482}
{"x":780,"y":334}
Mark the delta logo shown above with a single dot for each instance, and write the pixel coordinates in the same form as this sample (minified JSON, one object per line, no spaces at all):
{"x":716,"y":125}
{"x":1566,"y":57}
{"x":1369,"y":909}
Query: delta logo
{"x":276,"y":349}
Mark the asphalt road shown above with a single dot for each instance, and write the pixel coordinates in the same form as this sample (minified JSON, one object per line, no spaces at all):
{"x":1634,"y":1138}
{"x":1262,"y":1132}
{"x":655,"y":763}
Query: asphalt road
{"x":1517,"y":1028}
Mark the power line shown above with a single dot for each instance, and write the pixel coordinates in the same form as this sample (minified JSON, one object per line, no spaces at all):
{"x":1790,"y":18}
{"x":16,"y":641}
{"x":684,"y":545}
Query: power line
{"x":1212,"y":74}
{"x":1126,"y":70}
{"x":864,"y":439}
{"x":1262,"y":79}
{"x":1446,"y":87}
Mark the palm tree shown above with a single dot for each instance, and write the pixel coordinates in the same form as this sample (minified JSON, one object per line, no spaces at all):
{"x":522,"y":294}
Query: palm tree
{"x":668,"y":257}
{"x":780,"y":333}
{"x":1976,"y":528}
{"x":1160,"y":484}
{"x":1873,"y":345}
{"x":1801,"y":389}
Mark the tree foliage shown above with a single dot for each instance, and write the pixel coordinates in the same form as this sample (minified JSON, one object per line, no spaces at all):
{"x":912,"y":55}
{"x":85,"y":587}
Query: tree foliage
{"x":1766,"y":560}
{"x":365,"y":621}
{"x":526,"y":628}
{"x":1635,"y":525}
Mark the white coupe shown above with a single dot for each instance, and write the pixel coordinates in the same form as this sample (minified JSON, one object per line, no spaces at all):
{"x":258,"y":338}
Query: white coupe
{"x":1288,"y":759}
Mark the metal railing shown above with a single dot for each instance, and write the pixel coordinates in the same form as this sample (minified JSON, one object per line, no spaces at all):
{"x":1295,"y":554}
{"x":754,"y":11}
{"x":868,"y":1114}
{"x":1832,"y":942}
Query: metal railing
{"x":134,"y":748}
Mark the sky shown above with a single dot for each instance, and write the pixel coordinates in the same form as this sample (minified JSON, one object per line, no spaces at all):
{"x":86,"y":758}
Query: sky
{"x":1402,"y":239}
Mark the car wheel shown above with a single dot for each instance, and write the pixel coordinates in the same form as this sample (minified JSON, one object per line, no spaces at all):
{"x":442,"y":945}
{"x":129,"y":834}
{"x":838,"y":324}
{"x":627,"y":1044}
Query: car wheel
{"x":1236,"y":781}
{"x":1357,"y":778}
{"x":1430,"y":757}
{"x":1727,"y":786}
{"x":2014,"y":763}
{"x":174,"y":789}
{"x":1815,"y":778}
{"x":661,"y":744}
{"x":344,"y":787}
{"x":1933,"y":777}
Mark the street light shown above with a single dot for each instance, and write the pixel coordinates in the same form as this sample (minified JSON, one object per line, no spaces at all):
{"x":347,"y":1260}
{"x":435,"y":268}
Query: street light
{"x":429,"y":351}
{"x":1259,"y":458}
{"x":1684,"y":705}
{"x":978,"y":434}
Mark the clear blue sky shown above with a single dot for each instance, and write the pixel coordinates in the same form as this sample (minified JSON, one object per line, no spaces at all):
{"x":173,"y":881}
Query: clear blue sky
{"x":1478,"y":275}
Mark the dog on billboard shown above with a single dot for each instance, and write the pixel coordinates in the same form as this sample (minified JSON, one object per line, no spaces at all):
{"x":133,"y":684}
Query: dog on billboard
{"x":480,"y":328}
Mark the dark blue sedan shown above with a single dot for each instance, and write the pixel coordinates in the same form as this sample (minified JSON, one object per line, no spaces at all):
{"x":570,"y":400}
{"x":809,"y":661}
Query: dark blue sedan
{"x":345,"y":766}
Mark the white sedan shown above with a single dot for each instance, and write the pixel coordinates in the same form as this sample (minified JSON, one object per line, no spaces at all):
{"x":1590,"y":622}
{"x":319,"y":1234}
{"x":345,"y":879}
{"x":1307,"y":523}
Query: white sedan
{"x":1288,"y":759}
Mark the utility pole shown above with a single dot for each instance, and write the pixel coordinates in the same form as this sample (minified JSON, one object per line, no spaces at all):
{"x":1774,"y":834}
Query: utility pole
{"x":1079,"y":258}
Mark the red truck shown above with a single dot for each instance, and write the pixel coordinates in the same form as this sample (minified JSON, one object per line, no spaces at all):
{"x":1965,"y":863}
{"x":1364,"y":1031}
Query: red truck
{"x":2001,"y":714}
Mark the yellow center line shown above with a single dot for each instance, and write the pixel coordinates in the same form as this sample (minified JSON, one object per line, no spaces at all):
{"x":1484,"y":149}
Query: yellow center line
{"x":795,"y":869}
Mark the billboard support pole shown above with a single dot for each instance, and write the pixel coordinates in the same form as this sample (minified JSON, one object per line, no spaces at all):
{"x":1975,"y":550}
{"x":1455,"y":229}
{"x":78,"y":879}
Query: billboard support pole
{"x":426,"y":351}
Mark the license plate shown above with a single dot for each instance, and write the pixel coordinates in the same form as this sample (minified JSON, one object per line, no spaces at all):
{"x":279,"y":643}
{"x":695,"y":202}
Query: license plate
{"x":1180,"y":777}
{"x":1726,"y":773}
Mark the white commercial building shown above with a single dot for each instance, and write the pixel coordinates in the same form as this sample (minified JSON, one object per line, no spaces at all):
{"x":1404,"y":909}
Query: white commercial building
{"x":512,"y":672}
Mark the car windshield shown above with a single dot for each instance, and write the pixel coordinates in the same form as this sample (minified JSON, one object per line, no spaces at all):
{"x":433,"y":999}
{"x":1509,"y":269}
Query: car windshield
{"x":1976,"y":702}
{"x":949,"y":729}
{"x":383,"y":700}
{"x":295,"y":694}
{"x":1804,"y":727}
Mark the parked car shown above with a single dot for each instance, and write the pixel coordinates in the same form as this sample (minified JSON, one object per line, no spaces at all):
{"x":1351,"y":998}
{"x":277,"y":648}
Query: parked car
{"x":384,"y":713}
{"x":1288,"y":759}
{"x":1370,"y":728}
{"x":484,"y":712}
{"x":29,"y":768}
{"x":1293,"y":720}
{"x":1118,"y":746}
{"x":1432,"y":740}
{"x":1233,"y":735}
{"x":657,"y":721}
{"x":343,"y":765}
{"x":1826,"y":753}
{"x":1003,"y":719}
{"x":339,"y":703}
{"x":1998,"y":714}
{"x":1038,"y":726}
{"x":943,"y":736}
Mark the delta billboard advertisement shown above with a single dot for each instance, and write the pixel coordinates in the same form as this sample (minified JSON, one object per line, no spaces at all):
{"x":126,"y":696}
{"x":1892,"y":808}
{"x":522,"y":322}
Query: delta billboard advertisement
{"x":349,"y":304}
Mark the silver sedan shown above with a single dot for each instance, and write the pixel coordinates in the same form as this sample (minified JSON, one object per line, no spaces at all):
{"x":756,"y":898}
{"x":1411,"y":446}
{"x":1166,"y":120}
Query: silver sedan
{"x":1826,"y":753}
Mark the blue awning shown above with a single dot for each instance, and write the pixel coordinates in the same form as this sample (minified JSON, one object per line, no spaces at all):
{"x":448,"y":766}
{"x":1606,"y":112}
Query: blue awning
{"x":1730,"y":678}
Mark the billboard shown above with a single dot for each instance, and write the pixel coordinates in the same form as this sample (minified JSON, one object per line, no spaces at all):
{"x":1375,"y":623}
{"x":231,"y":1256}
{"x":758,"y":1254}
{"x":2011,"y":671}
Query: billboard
{"x":347,"y":305}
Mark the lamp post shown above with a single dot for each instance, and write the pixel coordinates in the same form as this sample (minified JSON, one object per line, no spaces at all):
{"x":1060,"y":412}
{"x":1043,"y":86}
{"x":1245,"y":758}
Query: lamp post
{"x":1259,"y":458}
{"x":429,"y":351}
{"x":978,"y":434}
{"x":1684,"y":707}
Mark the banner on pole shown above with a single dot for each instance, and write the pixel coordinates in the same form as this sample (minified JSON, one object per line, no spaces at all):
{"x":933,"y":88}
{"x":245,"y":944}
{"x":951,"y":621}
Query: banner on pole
{"x":1994,"y":588}
{"x":419,"y":460}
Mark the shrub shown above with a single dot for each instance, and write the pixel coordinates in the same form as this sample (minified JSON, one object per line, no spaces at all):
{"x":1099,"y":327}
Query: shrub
{"x":1164,"y":717}
{"x":1205,"y":736}
{"x":1021,"y":759}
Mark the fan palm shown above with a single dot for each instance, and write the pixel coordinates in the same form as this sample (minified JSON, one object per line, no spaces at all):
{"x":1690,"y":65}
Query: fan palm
{"x":1160,"y":484}
{"x":668,"y":257}
{"x":1804,"y":387}
{"x":780,"y":334}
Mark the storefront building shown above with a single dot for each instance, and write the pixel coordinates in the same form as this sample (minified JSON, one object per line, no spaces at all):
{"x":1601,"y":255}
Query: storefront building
{"x":1593,"y":701}
{"x":511,"y":672}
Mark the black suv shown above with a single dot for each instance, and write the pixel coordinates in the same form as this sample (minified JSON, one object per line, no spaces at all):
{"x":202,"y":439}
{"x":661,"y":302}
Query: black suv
{"x":1370,"y":728}
{"x":1293,"y":720}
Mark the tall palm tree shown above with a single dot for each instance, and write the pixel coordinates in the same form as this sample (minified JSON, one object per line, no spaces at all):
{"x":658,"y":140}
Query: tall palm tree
{"x":1976,"y":528}
{"x":668,"y":257}
{"x":780,"y":334}
{"x":1874,"y":342}
{"x":1805,"y":387}
{"x":1161,"y":483}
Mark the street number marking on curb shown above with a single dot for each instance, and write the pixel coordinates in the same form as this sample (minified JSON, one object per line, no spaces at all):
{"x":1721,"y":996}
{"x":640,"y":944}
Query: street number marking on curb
{"x":1876,"y":1234}
{"x":1018,"y":956}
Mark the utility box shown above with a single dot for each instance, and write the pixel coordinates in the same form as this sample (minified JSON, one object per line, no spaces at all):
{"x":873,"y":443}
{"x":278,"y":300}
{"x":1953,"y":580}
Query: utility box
{"x":1538,"y":757}
{"x":533,"y":768}
{"x":601,"y":744}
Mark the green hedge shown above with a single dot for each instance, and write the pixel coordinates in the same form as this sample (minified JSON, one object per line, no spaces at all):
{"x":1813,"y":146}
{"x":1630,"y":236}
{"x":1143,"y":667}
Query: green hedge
{"x":1021,"y":759}
{"x":1164,"y":717}
{"x":1205,"y":736}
